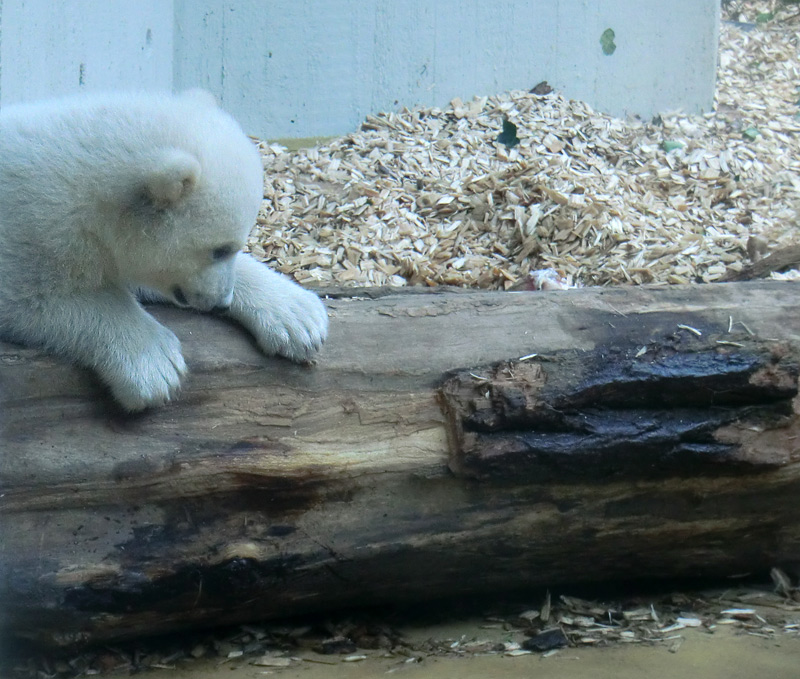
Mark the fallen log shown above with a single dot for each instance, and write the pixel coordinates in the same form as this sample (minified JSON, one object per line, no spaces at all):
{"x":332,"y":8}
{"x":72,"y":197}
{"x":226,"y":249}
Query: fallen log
{"x":444,"y":444}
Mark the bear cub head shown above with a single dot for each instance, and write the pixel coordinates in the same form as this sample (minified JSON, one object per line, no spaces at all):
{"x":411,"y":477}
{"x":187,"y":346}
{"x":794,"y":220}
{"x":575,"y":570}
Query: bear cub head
{"x":187,"y":210}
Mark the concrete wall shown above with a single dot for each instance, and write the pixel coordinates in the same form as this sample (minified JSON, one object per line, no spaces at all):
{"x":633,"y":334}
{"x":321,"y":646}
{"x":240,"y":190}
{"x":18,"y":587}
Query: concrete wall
{"x":299,"y":68}
{"x":53,"y":47}
{"x":295,"y":68}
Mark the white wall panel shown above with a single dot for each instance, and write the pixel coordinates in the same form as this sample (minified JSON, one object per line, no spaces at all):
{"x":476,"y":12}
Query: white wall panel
{"x":53,"y":47}
{"x":300,"y":68}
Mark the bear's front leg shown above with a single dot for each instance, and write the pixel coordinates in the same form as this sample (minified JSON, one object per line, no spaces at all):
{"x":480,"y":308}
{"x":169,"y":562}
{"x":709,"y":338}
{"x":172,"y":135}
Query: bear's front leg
{"x":138,"y":358}
{"x":284,"y":318}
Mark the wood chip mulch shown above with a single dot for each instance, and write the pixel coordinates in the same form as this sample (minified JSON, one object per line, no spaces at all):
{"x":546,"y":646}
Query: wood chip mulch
{"x":429,"y":196}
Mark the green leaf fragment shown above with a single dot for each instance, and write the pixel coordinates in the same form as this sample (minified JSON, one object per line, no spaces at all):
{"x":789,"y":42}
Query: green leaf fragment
{"x":764,"y":17}
{"x":750,"y":133}
{"x":671,"y":144}
{"x":607,"y":42}
{"x":509,"y":134}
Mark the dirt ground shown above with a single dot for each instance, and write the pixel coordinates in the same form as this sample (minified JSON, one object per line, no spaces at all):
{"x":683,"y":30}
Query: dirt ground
{"x":728,"y":629}
{"x":723,"y":655}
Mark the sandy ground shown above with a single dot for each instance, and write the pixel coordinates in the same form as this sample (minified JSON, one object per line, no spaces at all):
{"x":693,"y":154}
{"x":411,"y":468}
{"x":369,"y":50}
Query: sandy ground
{"x":724,"y":654}
{"x":726,"y":630}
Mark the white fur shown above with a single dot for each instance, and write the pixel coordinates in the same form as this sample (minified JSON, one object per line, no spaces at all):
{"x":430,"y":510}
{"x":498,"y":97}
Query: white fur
{"x":103,"y":198}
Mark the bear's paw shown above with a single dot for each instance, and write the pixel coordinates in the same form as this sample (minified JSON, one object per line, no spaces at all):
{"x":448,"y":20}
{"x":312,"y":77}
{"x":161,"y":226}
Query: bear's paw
{"x":150,"y":374}
{"x":294,"y":325}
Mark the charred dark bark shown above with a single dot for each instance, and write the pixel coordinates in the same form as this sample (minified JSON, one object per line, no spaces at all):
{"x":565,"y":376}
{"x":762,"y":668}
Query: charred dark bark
{"x":648,"y":412}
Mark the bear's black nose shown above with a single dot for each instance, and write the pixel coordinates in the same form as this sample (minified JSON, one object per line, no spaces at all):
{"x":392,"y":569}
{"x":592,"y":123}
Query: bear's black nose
{"x":180,"y":298}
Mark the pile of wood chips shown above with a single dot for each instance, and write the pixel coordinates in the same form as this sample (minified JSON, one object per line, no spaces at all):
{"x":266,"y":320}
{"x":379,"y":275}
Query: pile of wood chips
{"x":428,"y":196}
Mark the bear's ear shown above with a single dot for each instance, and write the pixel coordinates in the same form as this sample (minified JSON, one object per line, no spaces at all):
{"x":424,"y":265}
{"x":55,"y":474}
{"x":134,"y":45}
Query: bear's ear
{"x":173,"y":179}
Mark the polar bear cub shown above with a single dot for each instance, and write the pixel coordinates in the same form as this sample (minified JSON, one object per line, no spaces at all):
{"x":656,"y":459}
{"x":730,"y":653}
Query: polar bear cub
{"x":109,"y":199}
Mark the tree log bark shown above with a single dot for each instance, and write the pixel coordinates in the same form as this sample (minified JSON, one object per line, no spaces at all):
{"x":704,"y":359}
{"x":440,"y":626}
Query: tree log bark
{"x":445,"y":443}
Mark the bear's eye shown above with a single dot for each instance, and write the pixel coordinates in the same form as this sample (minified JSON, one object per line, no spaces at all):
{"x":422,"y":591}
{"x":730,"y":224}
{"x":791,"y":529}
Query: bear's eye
{"x":223,"y":252}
